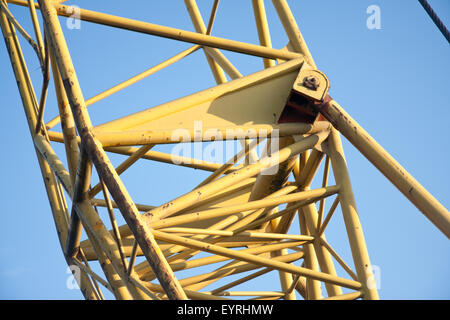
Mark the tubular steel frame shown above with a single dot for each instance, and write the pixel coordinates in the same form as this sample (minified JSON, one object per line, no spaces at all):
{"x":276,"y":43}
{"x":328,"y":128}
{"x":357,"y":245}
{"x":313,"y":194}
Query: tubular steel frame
{"x":233,"y":213}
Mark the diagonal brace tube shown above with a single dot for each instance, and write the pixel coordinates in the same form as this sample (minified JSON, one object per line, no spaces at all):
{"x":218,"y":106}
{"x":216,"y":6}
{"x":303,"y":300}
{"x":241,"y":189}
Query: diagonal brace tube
{"x":171,"y":33}
{"x":387,"y":165}
{"x":99,"y":158}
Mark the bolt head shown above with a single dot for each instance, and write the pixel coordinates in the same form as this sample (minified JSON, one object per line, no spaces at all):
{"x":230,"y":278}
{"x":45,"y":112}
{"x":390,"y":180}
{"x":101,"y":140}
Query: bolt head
{"x":311,"y":82}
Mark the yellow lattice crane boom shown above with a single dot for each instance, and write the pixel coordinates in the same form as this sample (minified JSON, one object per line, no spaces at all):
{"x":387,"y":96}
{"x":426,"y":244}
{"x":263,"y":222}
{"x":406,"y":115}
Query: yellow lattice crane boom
{"x":242,"y":213}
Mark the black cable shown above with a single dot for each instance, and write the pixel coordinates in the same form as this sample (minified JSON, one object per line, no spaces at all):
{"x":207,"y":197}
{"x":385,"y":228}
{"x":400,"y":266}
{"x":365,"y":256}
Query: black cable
{"x":435,"y":19}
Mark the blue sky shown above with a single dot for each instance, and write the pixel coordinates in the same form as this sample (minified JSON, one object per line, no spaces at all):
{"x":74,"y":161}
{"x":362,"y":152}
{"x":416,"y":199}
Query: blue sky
{"x":393,"y":81}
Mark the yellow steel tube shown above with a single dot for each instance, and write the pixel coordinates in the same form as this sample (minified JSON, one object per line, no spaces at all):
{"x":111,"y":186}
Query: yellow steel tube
{"x":173,"y":159}
{"x":172,"y":33}
{"x":57,"y":204}
{"x":236,"y":222}
{"x":212,"y":17}
{"x":252,"y":205}
{"x":67,"y":121}
{"x":327,"y":219}
{"x":44,"y":90}
{"x":131,"y":81}
{"x":251,"y":234}
{"x":235,"y":267}
{"x":123,"y":166}
{"x":147,"y":275}
{"x":292,"y":30}
{"x":36,"y":27}
{"x":113,"y":222}
{"x":125,"y":231}
{"x":22,"y":31}
{"x":351,"y":218}
{"x":189,"y":293}
{"x":182,"y":219}
{"x":229,"y":164}
{"x":122,"y":290}
{"x":241,"y":280}
{"x":388,"y":166}
{"x":323,"y":256}
{"x":288,"y":209}
{"x":263,"y":29}
{"x":223,"y":62}
{"x":55,"y":164}
{"x":266,"y":184}
{"x":251,"y":293}
{"x":311,"y":216}
{"x":313,"y":287}
{"x":99,"y":158}
{"x":246,"y":223}
{"x":324,"y":243}
{"x":80,"y":189}
{"x":255,"y":259}
{"x":209,"y":94}
{"x":132,"y":138}
{"x":199,"y":26}
{"x":93,"y":274}
{"x":102,"y":203}
{"x":286,"y":279}
{"x":216,"y":60}
{"x":246,"y":172}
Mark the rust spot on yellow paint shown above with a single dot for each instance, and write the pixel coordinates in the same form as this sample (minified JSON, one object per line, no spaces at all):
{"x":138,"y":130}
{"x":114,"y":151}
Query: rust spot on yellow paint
{"x":97,"y":226}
